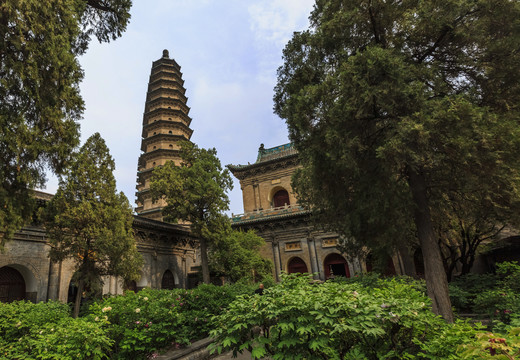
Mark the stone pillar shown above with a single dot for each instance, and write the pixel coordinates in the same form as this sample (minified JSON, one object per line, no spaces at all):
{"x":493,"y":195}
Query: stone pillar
{"x":53,"y":285}
{"x":312,"y":256}
{"x":276,"y":258}
{"x":319,"y":267}
{"x":184,"y":271}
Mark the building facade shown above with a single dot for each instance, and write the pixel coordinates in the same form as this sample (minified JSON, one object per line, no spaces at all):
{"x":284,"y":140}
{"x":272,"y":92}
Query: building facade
{"x":169,"y":251}
{"x":26,"y":272}
{"x":272,"y":210}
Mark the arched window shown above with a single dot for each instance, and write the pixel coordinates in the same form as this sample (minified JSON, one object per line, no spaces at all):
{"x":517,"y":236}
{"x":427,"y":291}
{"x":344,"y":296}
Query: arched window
{"x":168,"y":281}
{"x":335,"y":265}
{"x":12,"y":285}
{"x":280,"y":198}
{"x":296,"y":265}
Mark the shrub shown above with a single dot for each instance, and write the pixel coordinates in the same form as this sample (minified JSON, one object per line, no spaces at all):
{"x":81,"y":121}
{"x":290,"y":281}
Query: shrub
{"x":299,"y":318}
{"x":493,"y":346}
{"x":45,"y":331}
{"x":465,"y":289}
{"x":144,"y":322}
{"x":499,"y":304}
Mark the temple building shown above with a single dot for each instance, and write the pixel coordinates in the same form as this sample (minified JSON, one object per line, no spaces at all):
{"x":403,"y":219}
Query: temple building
{"x":165,"y":124}
{"x":272,"y":210}
{"x":169,"y":251}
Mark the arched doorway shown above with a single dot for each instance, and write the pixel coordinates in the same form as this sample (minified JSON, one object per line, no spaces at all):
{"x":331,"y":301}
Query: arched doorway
{"x":281,"y":198}
{"x":296,"y":265}
{"x":168,"y":281}
{"x":131,"y":285}
{"x":12,"y":285}
{"x":336,"y":265}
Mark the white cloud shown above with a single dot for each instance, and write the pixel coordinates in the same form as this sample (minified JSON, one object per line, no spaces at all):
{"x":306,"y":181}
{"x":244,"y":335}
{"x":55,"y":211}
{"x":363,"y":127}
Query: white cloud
{"x":276,"y":20}
{"x":229,"y":51}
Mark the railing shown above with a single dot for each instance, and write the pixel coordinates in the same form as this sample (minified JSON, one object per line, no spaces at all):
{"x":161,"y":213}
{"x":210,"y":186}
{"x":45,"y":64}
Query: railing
{"x":282,"y":210}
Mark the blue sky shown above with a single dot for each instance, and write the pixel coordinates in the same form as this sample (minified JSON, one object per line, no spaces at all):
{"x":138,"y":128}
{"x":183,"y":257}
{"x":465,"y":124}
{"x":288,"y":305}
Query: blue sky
{"x":228,"y":50}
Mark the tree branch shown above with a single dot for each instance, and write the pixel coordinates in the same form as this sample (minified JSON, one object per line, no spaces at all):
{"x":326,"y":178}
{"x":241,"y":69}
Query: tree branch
{"x":100,"y":5}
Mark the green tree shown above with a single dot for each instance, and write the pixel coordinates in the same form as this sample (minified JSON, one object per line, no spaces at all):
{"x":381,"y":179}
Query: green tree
{"x":236,"y":255}
{"x":394,"y":104}
{"x":89,"y":222}
{"x":40,"y":103}
{"x":466,"y":221}
{"x":195,"y":192}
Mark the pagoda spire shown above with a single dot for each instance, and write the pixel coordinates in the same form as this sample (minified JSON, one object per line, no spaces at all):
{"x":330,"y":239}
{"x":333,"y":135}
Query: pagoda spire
{"x":165,"y":124}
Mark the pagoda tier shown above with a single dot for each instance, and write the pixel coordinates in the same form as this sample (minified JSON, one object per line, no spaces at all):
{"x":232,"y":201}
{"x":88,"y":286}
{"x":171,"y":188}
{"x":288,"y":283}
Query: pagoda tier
{"x":165,"y":124}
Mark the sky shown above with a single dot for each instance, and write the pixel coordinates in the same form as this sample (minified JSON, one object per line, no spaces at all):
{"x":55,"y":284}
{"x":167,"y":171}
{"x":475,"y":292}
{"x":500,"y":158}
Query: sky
{"x":229,"y":52}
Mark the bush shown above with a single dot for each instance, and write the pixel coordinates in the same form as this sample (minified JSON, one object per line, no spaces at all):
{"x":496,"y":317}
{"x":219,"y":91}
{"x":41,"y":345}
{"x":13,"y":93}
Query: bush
{"x":493,"y":346}
{"x":299,"y":318}
{"x":499,"y":304}
{"x":46,"y":331}
{"x":465,"y":289}
{"x":147,"y":321}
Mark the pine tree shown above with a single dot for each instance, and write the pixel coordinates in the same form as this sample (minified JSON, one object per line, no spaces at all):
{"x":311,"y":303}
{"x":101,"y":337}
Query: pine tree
{"x":195,"y":193}
{"x":40,"y":103}
{"x":393,"y":105}
{"x":89,"y":222}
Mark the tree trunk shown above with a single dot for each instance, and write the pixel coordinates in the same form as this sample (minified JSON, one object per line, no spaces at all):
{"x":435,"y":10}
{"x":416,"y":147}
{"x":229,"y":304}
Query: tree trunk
{"x":407,"y":260}
{"x":436,"y":281}
{"x":79,"y":294}
{"x":204,"y":260}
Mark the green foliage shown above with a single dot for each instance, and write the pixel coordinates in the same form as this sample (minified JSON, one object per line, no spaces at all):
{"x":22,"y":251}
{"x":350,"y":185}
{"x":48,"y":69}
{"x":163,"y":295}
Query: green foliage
{"x":89,"y":222}
{"x":493,"y":346}
{"x":397,"y":112}
{"x":46,"y":331}
{"x":236,"y":256}
{"x":39,"y":90}
{"x":299,"y":318}
{"x":496,"y":296}
{"x":131,"y":326}
{"x":499,"y":304}
{"x":464,"y":290}
{"x":150,"y":320}
{"x":375,"y":280}
{"x":509,"y":276}
{"x":195,"y":192}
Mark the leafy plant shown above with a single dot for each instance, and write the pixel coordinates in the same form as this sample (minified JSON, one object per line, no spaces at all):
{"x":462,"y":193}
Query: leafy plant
{"x":300,"y":318}
{"x":150,"y":320}
{"x":493,"y":346}
{"x":46,"y":331}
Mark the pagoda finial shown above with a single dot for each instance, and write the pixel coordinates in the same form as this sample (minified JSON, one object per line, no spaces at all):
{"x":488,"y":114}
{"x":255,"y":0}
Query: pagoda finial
{"x":165,"y":54}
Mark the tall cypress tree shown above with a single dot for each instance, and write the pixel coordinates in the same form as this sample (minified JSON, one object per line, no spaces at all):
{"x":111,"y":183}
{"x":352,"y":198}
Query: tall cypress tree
{"x":40,"y":103}
{"x":89,"y":222}
{"x":392,"y":105}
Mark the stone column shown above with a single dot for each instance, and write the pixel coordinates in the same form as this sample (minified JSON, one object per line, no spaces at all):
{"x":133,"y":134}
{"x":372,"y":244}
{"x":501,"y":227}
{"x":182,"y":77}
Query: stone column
{"x":153,"y":270}
{"x":312,"y":256}
{"x":184,"y":270}
{"x":321,"y":273}
{"x":276,"y":258}
{"x":53,"y":285}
